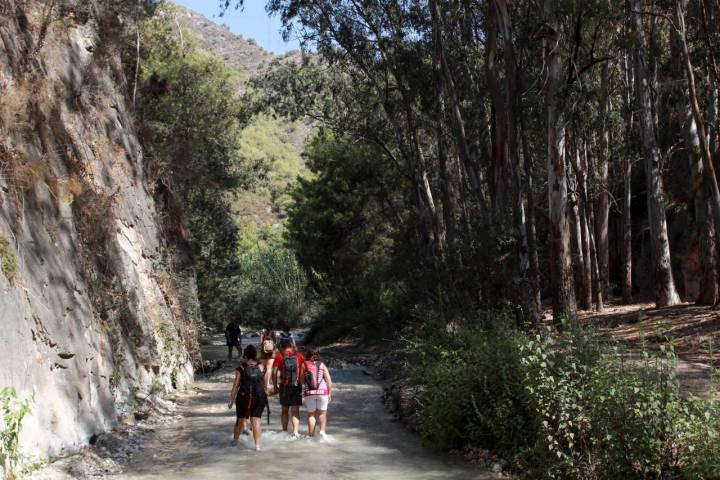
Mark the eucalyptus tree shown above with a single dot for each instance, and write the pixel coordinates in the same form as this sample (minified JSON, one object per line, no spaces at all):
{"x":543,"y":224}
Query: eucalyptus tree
{"x":665,"y":291}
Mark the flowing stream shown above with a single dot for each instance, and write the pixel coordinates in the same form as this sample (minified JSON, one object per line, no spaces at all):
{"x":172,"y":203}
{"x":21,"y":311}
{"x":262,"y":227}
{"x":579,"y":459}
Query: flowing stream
{"x":365,"y":442}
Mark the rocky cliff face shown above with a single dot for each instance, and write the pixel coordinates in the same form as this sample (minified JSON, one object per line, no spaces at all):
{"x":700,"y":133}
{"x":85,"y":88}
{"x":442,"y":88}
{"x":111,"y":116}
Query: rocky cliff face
{"x":95,"y":316}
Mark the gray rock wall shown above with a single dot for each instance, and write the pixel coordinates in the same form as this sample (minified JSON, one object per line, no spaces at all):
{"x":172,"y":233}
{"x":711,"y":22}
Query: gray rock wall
{"x":95,"y":319}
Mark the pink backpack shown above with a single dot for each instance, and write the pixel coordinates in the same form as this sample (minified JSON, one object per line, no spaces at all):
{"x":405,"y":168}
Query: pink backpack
{"x":314,"y":379}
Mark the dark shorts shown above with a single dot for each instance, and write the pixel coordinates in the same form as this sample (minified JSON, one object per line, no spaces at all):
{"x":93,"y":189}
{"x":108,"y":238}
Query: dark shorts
{"x":290,"y":396}
{"x":256,"y":406}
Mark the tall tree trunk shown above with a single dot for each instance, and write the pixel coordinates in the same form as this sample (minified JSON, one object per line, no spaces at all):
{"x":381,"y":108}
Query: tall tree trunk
{"x":462,"y":145}
{"x":710,"y":183}
{"x":603,"y":204}
{"x":560,"y":252}
{"x":584,"y":229}
{"x":627,"y":186}
{"x":709,"y":178}
{"x":595,"y":279}
{"x":532,"y":234}
{"x":500,"y":117}
{"x":665,"y":292}
{"x":704,"y":228}
{"x":516,"y":160}
{"x":446,"y":181}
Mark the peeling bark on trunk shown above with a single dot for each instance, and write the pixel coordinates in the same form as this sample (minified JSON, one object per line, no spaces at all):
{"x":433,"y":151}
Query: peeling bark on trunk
{"x":560,"y":252}
{"x":665,"y":292}
{"x":704,"y":228}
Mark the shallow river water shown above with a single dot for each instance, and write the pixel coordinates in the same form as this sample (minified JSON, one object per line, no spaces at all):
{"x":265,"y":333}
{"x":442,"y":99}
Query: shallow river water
{"x":365,"y":442}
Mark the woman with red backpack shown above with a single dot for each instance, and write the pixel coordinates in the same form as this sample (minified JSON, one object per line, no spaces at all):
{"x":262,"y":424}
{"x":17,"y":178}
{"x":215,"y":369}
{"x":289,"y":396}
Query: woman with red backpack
{"x":317,"y":391}
{"x":248,"y":394}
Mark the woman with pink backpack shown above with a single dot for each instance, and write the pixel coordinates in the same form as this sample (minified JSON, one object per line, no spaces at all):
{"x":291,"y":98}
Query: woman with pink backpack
{"x":317,"y":391}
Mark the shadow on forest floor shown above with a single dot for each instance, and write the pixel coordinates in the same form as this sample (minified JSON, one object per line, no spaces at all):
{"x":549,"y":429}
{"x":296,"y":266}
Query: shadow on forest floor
{"x":691,"y":327}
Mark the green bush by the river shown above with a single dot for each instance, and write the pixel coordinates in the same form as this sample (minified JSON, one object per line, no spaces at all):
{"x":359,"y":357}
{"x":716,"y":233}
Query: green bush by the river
{"x":561,"y":405}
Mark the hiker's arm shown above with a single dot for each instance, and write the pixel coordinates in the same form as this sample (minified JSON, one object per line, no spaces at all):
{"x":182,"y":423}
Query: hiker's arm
{"x":236,"y":385}
{"x":328,"y":380}
{"x":274,"y":377}
{"x":302,"y":374}
{"x":266,"y":378}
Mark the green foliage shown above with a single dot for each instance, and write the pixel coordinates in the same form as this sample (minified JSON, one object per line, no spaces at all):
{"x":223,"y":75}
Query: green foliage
{"x":472,"y":383}
{"x":348,"y":226}
{"x":561,"y":405}
{"x":190,"y":114}
{"x":8,"y":260}
{"x":273,"y":287}
{"x":265,"y":144}
{"x":602,"y":415}
{"x":14,"y":412}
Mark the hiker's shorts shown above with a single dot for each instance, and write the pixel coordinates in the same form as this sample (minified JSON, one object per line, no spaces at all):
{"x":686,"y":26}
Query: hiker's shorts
{"x":290,"y":396}
{"x":316,"y":402}
{"x":245,"y":407}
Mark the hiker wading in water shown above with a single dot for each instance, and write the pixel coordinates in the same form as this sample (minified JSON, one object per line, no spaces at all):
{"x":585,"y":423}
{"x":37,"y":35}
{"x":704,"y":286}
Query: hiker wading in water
{"x":317,"y":391}
{"x":233,"y":338}
{"x":287,"y":364}
{"x":248,"y":393}
{"x":268,"y":341}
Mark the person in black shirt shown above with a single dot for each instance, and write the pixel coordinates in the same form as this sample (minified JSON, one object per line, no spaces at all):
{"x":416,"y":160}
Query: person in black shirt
{"x":232,"y":338}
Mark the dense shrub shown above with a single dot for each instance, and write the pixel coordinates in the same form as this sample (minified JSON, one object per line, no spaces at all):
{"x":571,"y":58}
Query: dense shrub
{"x":602,"y":415}
{"x":474,"y":392}
{"x":562,"y":405}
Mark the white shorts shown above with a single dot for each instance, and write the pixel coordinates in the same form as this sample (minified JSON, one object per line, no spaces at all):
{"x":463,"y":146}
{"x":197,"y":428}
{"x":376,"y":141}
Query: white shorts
{"x":316,"y":402}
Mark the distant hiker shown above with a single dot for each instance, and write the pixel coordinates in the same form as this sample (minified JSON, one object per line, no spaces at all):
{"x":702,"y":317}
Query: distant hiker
{"x":233,"y":338}
{"x":317,"y":391}
{"x":268,"y":341}
{"x":286,"y":335}
{"x":287,"y":364}
{"x":248,"y":393}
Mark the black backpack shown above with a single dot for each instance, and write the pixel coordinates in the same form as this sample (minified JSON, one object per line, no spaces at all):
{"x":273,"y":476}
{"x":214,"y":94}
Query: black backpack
{"x":290,"y":363}
{"x":252,"y":381}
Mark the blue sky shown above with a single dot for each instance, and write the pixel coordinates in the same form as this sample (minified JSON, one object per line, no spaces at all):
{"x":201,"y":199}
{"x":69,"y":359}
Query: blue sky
{"x":250,"y":22}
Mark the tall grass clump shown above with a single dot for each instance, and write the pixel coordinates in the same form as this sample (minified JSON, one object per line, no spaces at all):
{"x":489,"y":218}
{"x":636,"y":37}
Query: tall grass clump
{"x":562,"y":405}
{"x":273,"y":287}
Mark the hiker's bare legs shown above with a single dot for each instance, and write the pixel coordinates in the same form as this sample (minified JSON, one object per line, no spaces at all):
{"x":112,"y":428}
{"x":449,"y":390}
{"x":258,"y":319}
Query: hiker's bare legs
{"x":322,"y":419}
{"x":284,"y":418}
{"x":239,"y":427}
{"x":311,"y":423}
{"x":257,"y":430}
{"x":267,"y":365}
{"x":295,"y":411}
